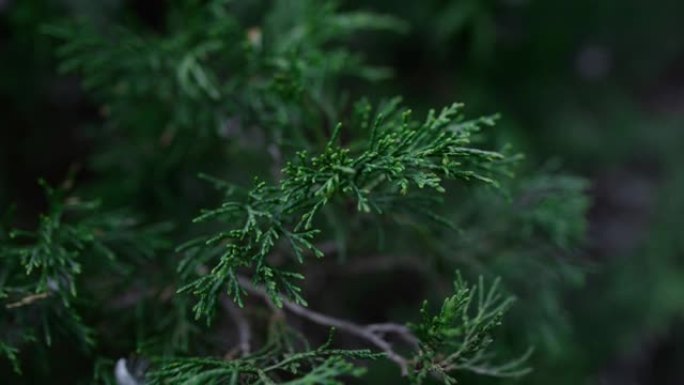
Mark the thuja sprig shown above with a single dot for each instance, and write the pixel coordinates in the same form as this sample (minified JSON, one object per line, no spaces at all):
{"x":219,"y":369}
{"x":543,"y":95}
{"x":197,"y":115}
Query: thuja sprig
{"x":41,"y":269}
{"x":52,"y":251}
{"x":269,"y":366}
{"x":207,"y":57}
{"x":458,"y":337}
{"x":41,"y":266}
{"x":401,"y":157}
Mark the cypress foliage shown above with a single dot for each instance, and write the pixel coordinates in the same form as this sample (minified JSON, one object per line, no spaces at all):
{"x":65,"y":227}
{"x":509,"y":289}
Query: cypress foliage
{"x":255,"y":100}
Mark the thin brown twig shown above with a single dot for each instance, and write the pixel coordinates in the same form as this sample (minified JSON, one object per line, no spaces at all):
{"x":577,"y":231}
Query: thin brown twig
{"x":244,"y":331}
{"x":400,"y":330}
{"x":370,"y":333}
{"x":29,"y":299}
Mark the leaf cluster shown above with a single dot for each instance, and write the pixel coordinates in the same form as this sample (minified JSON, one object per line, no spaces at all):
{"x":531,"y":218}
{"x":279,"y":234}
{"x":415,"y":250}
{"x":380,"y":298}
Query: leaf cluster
{"x":401,"y":157}
{"x":220,"y":85}
{"x":273,"y":364}
{"x":459,"y":336}
{"x":42,"y":269}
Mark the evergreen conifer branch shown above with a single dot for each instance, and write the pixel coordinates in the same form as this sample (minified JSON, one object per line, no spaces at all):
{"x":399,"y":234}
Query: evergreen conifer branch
{"x":42,"y":269}
{"x":263,"y":72}
{"x":226,"y":83}
{"x":371,"y":333}
{"x":402,"y":158}
{"x":458,"y":337}
{"x":270,"y":365}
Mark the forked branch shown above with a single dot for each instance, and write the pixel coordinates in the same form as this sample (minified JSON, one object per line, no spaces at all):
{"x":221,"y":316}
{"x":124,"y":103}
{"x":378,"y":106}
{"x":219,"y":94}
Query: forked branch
{"x":373,"y":334}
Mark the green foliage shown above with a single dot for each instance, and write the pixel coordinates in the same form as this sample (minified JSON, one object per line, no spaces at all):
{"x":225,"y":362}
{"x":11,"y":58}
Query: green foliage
{"x":10,"y":353}
{"x":269,"y":366}
{"x":50,"y":259}
{"x":259,"y":92}
{"x":204,"y":371}
{"x":42,"y":268}
{"x":400,"y":156}
{"x":458,"y":337}
{"x":555,"y":205}
{"x":234,"y":89}
{"x":210,"y":81}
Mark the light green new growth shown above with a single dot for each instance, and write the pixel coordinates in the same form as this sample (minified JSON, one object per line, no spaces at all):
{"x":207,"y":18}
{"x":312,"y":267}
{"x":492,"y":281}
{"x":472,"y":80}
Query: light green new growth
{"x":458,"y":337}
{"x":401,"y":157}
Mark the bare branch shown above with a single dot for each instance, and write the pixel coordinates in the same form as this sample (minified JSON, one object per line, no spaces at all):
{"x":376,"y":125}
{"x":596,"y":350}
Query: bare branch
{"x":244,"y":331}
{"x":400,"y":330}
{"x":29,"y":299}
{"x":369,"y":333}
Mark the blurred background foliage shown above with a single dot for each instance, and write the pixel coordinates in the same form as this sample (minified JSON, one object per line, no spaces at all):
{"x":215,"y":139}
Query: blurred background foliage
{"x":595,"y":89}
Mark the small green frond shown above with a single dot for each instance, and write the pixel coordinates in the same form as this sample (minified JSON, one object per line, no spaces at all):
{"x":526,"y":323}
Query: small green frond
{"x":403,"y":157}
{"x":459,"y":336}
